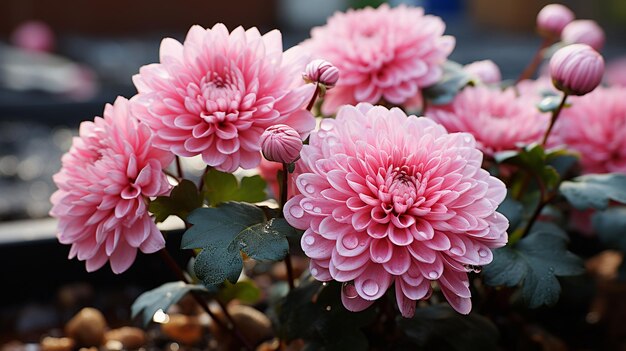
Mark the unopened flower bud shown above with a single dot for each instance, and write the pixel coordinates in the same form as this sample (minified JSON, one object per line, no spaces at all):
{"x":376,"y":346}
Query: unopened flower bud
{"x":552,"y":19}
{"x":486,"y":71}
{"x":584,"y":32}
{"x":281,"y":143}
{"x":576,"y":69}
{"x":321,"y":71}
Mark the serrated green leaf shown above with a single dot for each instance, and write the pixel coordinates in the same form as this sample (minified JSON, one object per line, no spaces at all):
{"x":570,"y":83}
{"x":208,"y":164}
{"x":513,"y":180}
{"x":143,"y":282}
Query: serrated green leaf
{"x":214,"y":230}
{"x":245,"y":291}
{"x":220,"y":187}
{"x":183,"y":199}
{"x":595,"y":190}
{"x":264,"y":241}
{"x":513,"y":210}
{"x":610,"y":225}
{"x":453,"y":79}
{"x":216,"y":264}
{"x":221,"y":223}
{"x":162,"y":298}
{"x":535,"y":262}
{"x":439,"y":327}
{"x":533,"y":159}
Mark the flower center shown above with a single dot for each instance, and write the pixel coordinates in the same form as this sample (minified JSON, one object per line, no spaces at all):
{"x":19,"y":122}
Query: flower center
{"x":220,"y":98}
{"x":400,"y":190}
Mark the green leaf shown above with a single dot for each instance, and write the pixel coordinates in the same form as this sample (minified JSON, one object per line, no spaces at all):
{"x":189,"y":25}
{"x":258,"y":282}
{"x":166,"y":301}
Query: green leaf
{"x":549,"y":103}
{"x":595,"y":190}
{"x":535,"y":262}
{"x":265,"y":241}
{"x":610,"y":225}
{"x":245,"y":291}
{"x":222,"y":187}
{"x":513,"y":211}
{"x":213,"y":230}
{"x":314,"y":312}
{"x":439,"y":327}
{"x":183,"y":199}
{"x":534,"y":159}
{"x":162,"y":298}
{"x":221,"y":223}
{"x":454,"y":79}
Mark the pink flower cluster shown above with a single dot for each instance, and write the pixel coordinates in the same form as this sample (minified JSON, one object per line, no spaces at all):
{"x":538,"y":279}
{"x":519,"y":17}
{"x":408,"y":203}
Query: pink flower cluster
{"x":384,"y":53}
{"x":498,"y":119}
{"x":107,"y":177}
{"x":595,"y":127}
{"x":216,"y":93}
{"x":389,"y":199}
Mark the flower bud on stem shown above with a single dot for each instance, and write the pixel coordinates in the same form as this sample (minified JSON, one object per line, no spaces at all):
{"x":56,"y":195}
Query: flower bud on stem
{"x":283,"y":200}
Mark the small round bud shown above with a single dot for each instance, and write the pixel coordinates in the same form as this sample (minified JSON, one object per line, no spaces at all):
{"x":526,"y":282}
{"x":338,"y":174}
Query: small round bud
{"x":281,"y":143}
{"x":321,"y":71}
{"x":576,"y":69}
{"x":33,"y":36}
{"x":486,"y":71}
{"x":584,"y":32}
{"x":553,"y":18}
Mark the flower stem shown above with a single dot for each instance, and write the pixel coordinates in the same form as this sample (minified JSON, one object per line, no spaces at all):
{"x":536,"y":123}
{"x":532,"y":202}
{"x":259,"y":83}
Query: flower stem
{"x":283,"y":200}
{"x":314,"y":98}
{"x":232,"y":328}
{"x":555,"y":115}
{"x":179,"y":168}
{"x":536,"y":60}
{"x":201,"y":182}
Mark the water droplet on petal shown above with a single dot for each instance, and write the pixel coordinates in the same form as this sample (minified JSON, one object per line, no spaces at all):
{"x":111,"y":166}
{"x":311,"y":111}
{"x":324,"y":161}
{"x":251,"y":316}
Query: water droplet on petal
{"x":309,"y":189}
{"x":296,"y":211}
{"x":349,"y":290}
{"x":309,"y":240}
{"x":456,"y":250}
{"x":313,"y":271}
{"x":307,"y":206}
{"x":350,"y":241}
{"x":370,"y":287}
{"x":482,"y":253}
{"x":433,"y":275}
{"x":467,"y":139}
{"x":317,"y":210}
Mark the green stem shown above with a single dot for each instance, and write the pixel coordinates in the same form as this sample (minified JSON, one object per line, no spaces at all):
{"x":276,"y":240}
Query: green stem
{"x":536,"y":60}
{"x":179,"y":168}
{"x":283,"y":200}
{"x":201,"y":182}
{"x":555,"y":115}
{"x":232,"y":328}
{"x":315,"y":94}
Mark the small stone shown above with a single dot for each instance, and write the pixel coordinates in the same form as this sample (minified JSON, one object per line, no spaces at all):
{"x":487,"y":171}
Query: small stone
{"x":130,"y":337}
{"x":56,"y":344}
{"x":87,"y":327}
{"x":253,"y":325}
{"x":184,"y":329}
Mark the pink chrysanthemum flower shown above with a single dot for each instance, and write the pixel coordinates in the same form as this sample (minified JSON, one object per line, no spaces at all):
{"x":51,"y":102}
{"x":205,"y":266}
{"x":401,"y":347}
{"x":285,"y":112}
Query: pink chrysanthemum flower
{"x":499,"y":120}
{"x":595,"y":127}
{"x":106,"y":178}
{"x":388,"y":199}
{"x":217,"y":92}
{"x":384,"y":53}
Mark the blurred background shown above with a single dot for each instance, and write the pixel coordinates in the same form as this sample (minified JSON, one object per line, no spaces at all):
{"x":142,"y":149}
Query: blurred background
{"x":62,"y":60}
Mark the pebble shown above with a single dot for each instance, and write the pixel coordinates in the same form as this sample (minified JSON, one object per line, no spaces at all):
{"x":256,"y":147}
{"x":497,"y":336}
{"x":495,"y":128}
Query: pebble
{"x":253,"y":325}
{"x":131,"y":338}
{"x":56,"y":344}
{"x":183,"y":329}
{"x":87,"y":327}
